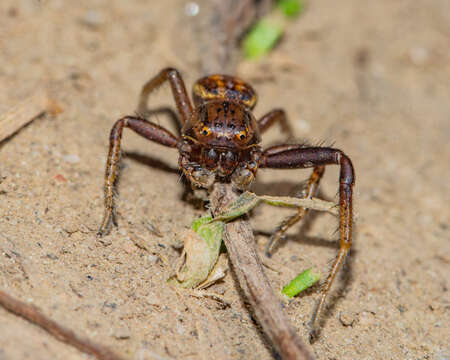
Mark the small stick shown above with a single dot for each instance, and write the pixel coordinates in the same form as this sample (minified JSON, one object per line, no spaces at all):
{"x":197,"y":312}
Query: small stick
{"x":35,"y":316}
{"x":240,"y":243}
{"x":26,"y":111}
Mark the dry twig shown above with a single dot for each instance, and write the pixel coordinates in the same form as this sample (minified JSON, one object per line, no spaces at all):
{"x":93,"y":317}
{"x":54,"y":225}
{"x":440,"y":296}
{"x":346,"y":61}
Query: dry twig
{"x":220,"y":28}
{"x":25,"y":112}
{"x":35,"y":316}
{"x":240,"y":243}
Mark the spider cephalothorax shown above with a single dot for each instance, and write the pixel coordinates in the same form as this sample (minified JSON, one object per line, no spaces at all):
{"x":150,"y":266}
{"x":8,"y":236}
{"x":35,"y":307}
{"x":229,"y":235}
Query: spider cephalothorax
{"x":221,"y":137}
{"x":219,"y":141}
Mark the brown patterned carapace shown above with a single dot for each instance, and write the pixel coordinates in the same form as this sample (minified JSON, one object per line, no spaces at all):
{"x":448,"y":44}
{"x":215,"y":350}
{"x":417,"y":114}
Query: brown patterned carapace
{"x":221,"y":138}
{"x":220,"y":141}
{"x":219,"y":87}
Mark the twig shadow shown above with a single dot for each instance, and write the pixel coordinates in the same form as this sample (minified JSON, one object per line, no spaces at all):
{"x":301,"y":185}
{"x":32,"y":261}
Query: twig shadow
{"x":287,"y":188}
{"x":346,"y":274}
{"x":306,"y":240}
{"x":188,"y":195}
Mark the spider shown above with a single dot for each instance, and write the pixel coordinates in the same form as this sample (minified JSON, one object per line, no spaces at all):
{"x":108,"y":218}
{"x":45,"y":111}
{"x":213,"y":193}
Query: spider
{"x":220,"y":141}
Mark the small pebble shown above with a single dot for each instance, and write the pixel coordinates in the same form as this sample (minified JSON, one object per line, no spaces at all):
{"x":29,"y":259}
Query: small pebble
{"x":129,"y":247}
{"x":366,"y":318}
{"x":191,"y":8}
{"x":152,"y":259}
{"x":122,"y":333}
{"x":60,"y":178}
{"x":347,"y":319}
{"x":419,"y":55}
{"x":92,"y":19}
{"x":71,"y":159}
{"x":105,"y":241}
{"x":180,"y":329}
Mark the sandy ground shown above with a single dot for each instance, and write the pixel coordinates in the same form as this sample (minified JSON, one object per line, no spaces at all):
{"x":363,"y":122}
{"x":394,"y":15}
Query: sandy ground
{"x":373,"y":77}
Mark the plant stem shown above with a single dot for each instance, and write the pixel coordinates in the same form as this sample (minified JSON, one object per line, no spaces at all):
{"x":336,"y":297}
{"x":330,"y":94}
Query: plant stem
{"x":240,"y":243}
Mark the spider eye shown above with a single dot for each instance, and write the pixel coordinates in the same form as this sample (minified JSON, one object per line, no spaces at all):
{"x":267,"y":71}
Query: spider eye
{"x":242,"y":135}
{"x":205,"y":131}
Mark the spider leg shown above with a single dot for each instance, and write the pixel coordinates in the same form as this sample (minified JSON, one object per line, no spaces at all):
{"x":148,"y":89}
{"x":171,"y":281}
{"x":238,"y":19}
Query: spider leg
{"x":277,"y":115}
{"x":179,"y":92}
{"x":311,"y":189}
{"x":142,"y":127}
{"x":305,"y":157}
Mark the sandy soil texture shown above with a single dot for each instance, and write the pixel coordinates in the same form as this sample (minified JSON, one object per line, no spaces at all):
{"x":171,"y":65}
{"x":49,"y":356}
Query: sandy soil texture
{"x":372,"y":77}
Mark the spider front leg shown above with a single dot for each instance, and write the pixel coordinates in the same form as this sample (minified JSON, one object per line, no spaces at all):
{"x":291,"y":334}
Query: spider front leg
{"x":272,"y":117}
{"x":311,"y":189}
{"x":305,"y":157}
{"x":179,"y":92}
{"x":144,"y":128}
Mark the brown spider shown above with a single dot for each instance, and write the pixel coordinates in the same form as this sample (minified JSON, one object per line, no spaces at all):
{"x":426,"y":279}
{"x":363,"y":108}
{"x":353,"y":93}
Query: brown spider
{"x":220,"y":142}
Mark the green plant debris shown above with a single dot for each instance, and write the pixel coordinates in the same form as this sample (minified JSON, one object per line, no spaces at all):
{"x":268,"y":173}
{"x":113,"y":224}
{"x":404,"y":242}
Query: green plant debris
{"x":313,"y":203}
{"x":200,"y":252}
{"x":261,"y":38}
{"x":248,"y":200}
{"x":265,"y":34}
{"x":203,"y":241}
{"x":200,"y":221}
{"x":301,"y":282}
{"x":242,"y":205}
{"x":291,"y":8}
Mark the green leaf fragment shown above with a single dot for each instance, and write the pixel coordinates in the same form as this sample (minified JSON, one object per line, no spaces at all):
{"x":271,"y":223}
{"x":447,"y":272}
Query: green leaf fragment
{"x":200,"y":253}
{"x":291,"y":8}
{"x":301,"y":282}
{"x":248,"y":200}
{"x":202,"y":244}
{"x":200,"y":221}
{"x":242,"y":205}
{"x":261,"y":39}
{"x":308,"y":203}
{"x":211,"y":233}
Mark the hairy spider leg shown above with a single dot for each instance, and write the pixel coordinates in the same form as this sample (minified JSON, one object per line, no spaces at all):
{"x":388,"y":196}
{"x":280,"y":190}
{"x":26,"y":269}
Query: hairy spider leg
{"x":305,"y":157}
{"x":142,"y":127}
{"x":179,"y":92}
{"x":268,"y":120}
{"x":311,"y":189}
{"x":272,"y":117}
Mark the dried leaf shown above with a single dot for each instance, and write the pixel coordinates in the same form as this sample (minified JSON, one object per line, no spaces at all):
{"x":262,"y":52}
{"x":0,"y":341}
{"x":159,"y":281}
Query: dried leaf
{"x":201,"y":251}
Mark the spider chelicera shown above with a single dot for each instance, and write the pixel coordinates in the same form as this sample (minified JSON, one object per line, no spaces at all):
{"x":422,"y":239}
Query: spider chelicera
{"x":220,"y":141}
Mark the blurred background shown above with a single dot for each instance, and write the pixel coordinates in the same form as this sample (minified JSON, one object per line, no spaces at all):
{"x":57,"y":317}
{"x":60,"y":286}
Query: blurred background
{"x":370,"y":77}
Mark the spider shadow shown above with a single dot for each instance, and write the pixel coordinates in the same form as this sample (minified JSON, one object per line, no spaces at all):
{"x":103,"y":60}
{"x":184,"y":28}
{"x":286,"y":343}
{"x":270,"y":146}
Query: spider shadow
{"x":287,"y":188}
{"x":346,"y":274}
{"x":151,"y":161}
{"x":284,"y":188}
{"x":188,"y":195}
